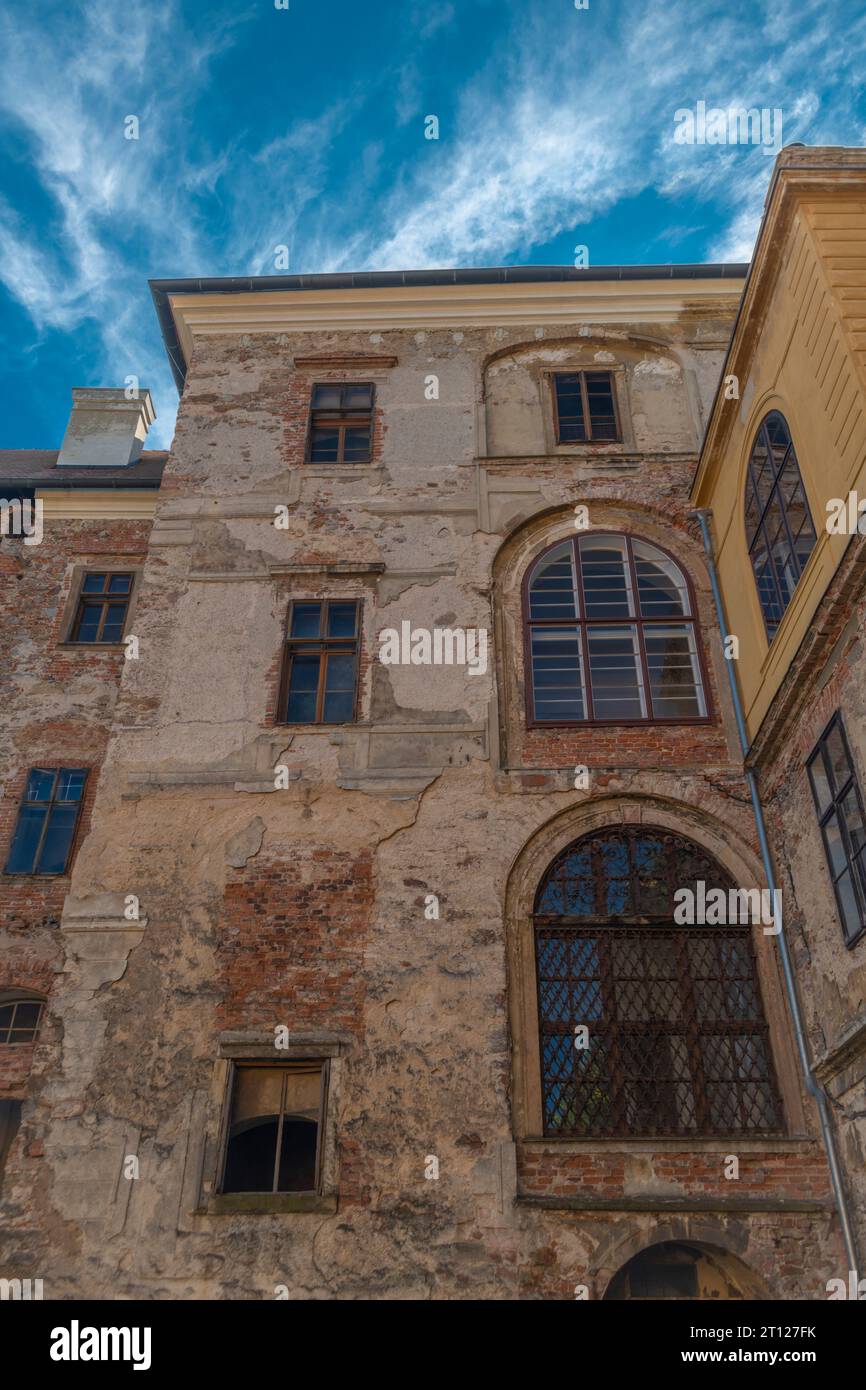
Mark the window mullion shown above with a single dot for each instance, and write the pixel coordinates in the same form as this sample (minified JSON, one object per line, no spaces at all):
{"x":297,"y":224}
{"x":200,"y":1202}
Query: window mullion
{"x":584,"y":398}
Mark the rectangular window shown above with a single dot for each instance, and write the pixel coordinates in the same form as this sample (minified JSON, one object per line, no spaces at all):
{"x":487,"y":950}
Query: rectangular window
{"x":47,"y":821}
{"x":585,"y":408}
{"x":341,"y":422}
{"x":102,"y":607}
{"x":840,"y":815}
{"x":275,"y":1126}
{"x":321,"y":664}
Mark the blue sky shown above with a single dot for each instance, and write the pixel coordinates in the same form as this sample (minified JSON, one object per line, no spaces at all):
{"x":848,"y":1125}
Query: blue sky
{"x":304,"y":127}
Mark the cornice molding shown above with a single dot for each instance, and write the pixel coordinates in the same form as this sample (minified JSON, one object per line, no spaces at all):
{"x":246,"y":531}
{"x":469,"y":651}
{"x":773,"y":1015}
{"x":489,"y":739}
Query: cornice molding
{"x":449,"y":306}
{"x":80,"y":504}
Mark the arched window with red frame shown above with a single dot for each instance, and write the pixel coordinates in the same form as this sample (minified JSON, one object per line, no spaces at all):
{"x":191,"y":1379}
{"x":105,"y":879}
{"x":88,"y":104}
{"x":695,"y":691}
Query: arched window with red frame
{"x":611,"y":635}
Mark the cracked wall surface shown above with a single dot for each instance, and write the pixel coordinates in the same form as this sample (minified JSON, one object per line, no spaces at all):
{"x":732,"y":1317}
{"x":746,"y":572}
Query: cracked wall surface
{"x":303,"y":905}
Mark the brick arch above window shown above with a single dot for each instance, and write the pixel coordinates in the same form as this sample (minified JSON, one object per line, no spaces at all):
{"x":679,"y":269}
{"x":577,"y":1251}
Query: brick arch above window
{"x":780,"y":532}
{"x":611,"y":635}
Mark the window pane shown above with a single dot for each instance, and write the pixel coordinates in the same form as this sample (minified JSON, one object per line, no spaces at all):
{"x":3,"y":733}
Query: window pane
{"x":252,"y":1145}
{"x":88,"y":622}
{"x":93,"y":584}
{"x":614,"y":672}
{"x":661,"y":587}
{"x":338,"y":707}
{"x":850,"y":811}
{"x":552,"y":589}
{"x":835,"y":846}
{"x":341,"y":619}
{"x":27,"y":831}
{"x":837,"y":757}
{"x":114,"y":619}
{"x":848,"y":905}
{"x":305,"y":620}
{"x":570,"y":408}
{"x":58,"y":839}
{"x":358,"y":397}
{"x":70,"y":784}
{"x":557,"y":674}
{"x":340,"y":674}
{"x":356,"y":448}
{"x":40,"y":784}
{"x":324,"y":445}
{"x":120,"y":584}
{"x":303,"y":685}
{"x":820,"y":783}
{"x":599,"y":392}
{"x":606,"y":582}
{"x":326,"y":397}
{"x":672,"y":664}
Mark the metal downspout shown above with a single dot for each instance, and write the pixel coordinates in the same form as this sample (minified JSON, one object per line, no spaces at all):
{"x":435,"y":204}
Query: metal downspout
{"x":812,"y":1086}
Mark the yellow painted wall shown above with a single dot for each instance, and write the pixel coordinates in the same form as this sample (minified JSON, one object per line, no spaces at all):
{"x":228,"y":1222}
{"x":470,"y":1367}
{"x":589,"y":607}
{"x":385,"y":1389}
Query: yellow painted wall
{"x":810,"y":364}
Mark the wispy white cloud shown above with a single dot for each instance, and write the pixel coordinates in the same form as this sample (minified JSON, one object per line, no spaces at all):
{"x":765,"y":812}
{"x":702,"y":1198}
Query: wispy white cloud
{"x":555,"y":119}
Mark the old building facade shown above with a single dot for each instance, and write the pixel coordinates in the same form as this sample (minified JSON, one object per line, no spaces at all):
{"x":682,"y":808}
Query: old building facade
{"x":791,"y":561}
{"x":362,"y":977}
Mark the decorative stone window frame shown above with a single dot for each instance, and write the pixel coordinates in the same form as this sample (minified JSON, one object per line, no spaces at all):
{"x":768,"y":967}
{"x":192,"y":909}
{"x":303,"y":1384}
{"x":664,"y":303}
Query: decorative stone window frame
{"x":257,"y":1045}
{"x":70,"y":607}
{"x":527,"y":872}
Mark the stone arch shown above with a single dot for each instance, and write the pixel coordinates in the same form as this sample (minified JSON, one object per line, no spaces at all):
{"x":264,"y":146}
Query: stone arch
{"x":651,"y":382}
{"x":660,"y":524}
{"x":663,"y":810}
{"x":675,"y":1265}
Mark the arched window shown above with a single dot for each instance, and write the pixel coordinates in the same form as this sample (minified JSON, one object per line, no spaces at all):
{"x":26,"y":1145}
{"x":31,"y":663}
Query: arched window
{"x":611,"y":635}
{"x":20,"y":1015}
{"x":647,"y":1027}
{"x":780,"y":533}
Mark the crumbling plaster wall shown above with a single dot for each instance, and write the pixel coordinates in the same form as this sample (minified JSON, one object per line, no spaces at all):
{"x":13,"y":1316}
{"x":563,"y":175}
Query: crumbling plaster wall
{"x":243,"y":888}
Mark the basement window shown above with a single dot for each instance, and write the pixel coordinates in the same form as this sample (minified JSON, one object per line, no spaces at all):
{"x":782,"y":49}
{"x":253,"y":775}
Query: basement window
{"x":19,"y":1020}
{"x":585,"y":408}
{"x":274,"y":1134}
{"x":103,"y":604}
{"x":341,"y":422}
{"x":47,"y":821}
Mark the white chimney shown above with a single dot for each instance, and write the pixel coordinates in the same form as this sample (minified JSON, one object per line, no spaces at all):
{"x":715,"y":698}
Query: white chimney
{"x":106,"y":429}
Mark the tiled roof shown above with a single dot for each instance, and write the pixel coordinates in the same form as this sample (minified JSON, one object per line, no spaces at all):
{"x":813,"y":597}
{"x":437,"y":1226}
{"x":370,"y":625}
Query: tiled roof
{"x":38,"y":468}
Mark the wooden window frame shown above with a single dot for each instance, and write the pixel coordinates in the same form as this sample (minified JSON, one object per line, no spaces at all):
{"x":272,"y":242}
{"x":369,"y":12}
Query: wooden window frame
{"x":583,"y":623}
{"x":33,"y":872}
{"x":14,"y":999}
{"x":761,"y":532}
{"x":852,"y":861}
{"x":245,"y":1063}
{"x":341,"y":421}
{"x":322,"y":646}
{"x":581,"y":373}
{"x":102,"y":600}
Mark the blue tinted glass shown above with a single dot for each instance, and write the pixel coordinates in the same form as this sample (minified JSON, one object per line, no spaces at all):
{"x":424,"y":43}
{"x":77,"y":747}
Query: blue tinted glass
{"x":120,"y":583}
{"x":305,"y":620}
{"x":341,"y":672}
{"x":93,"y":584}
{"x":40,"y":783}
{"x":341,"y":619}
{"x":113,"y":628}
{"x":338,"y":707}
{"x":70,"y":783}
{"x":58,"y":838}
{"x":89,"y":623}
{"x":324,"y":446}
{"x":27,"y":831}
